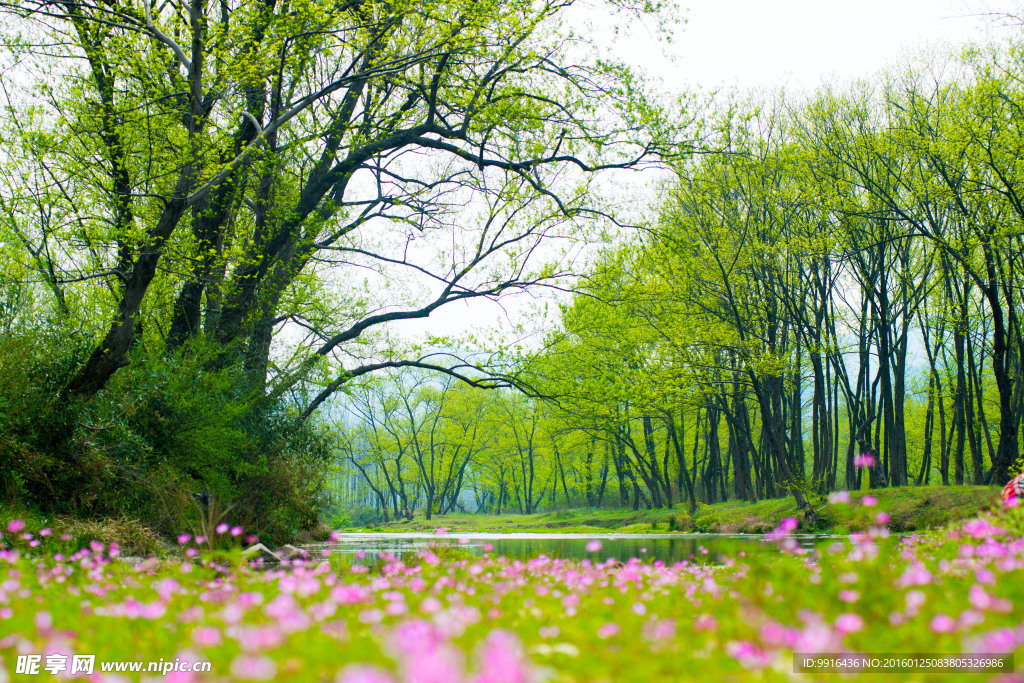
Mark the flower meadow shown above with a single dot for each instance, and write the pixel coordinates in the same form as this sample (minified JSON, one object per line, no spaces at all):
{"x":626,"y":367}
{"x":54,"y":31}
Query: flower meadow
{"x":443,"y":617}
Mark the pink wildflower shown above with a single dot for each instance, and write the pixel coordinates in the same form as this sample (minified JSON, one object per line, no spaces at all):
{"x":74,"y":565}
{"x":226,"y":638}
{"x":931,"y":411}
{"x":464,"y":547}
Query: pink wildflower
{"x":839,"y":498}
{"x":705,"y":622}
{"x":775,"y":634}
{"x":44,"y":623}
{"x":970,"y":618}
{"x":15,"y":525}
{"x":914,"y":600}
{"x":863,"y":460}
{"x":785,"y":528}
{"x":206,"y":636}
{"x":502,"y":659}
{"x":660,"y":629}
{"x":915,"y":575}
{"x":259,"y":638}
{"x":869,"y":501}
{"x":253,"y":667}
{"x":415,"y":636}
{"x":849,"y":622}
{"x":982,"y":600}
{"x":747,"y":654}
{"x":981,"y":528}
{"x":363,"y":673}
{"x":441,"y":664}
{"x":222,"y":527}
{"x":608,"y":630}
{"x":1001,"y":640}
{"x":594,"y":546}
{"x":816,"y":636}
{"x":942,"y":623}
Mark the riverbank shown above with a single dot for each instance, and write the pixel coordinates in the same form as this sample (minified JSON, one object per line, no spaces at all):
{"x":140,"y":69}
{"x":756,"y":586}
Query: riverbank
{"x":910,"y":508}
{"x":907,"y":509}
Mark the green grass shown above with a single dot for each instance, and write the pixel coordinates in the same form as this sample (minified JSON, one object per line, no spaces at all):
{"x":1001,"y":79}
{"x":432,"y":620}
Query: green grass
{"x":909,"y":509}
{"x":132,"y":537}
{"x":445,"y":614}
{"x":917,"y":508}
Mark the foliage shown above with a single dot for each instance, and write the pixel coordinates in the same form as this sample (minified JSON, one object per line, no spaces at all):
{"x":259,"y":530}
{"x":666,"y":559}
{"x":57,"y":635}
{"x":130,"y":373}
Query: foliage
{"x":419,"y":443}
{"x":845,"y":279}
{"x":157,"y":437}
{"x":264,"y":173}
{"x":221,"y":211}
{"x":908,"y":508}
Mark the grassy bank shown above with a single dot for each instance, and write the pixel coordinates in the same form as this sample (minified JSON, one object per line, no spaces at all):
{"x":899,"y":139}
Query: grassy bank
{"x":907,"y":508}
{"x":67,"y":534}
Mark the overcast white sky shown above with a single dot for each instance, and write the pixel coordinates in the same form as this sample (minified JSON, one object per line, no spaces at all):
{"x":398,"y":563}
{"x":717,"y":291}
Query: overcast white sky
{"x":801,"y":43}
{"x":772,"y":44}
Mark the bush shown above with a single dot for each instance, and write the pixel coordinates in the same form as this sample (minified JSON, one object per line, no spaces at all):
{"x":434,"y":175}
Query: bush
{"x":681,"y":522}
{"x":132,"y":538}
{"x":37,"y":460}
{"x":163,"y":431}
{"x":361,"y":516}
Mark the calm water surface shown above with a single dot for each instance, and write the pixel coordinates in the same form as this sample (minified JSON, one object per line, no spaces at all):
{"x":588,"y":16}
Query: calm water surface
{"x":665,"y":547}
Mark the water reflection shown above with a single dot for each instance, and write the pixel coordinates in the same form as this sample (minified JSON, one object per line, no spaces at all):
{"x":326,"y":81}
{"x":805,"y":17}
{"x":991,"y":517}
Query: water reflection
{"x":649,"y":547}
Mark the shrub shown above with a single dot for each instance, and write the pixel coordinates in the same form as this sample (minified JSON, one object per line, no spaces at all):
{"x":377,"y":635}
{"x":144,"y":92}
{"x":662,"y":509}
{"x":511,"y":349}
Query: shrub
{"x":37,"y":459}
{"x":680,"y":522}
{"x":161,"y":432}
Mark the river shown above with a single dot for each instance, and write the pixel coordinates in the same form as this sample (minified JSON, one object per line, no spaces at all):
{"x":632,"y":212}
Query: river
{"x":668,"y":548}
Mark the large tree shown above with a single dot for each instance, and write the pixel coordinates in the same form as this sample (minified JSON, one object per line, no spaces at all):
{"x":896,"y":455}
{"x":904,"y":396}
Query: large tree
{"x":278,"y":179}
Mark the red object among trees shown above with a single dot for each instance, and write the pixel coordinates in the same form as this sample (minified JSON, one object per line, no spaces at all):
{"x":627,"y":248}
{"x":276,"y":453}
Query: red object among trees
{"x":1015,"y":488}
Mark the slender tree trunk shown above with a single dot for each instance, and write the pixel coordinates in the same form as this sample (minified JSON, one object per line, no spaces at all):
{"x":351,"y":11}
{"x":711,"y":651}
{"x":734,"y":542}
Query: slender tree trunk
{"x":681,"y":457}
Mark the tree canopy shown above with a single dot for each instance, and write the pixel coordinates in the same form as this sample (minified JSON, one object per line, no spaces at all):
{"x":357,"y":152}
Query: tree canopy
{"x":261,"y":187}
